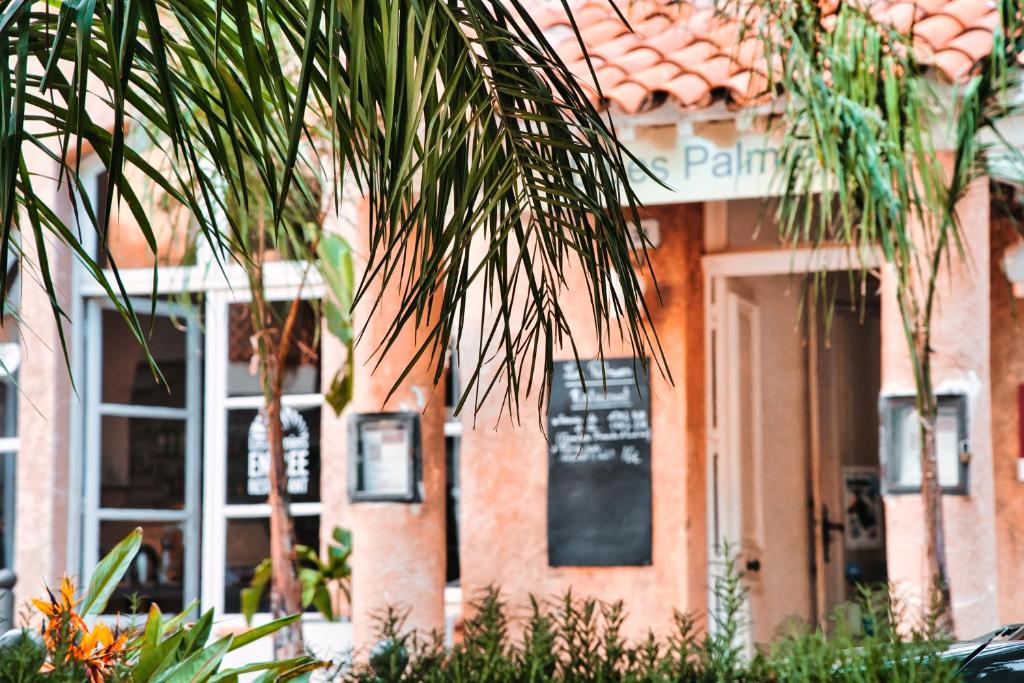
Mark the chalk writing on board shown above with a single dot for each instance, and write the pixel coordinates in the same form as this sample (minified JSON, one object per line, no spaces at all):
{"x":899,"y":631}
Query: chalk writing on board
{"x":601,"y":416}
{"x":599,"y":464}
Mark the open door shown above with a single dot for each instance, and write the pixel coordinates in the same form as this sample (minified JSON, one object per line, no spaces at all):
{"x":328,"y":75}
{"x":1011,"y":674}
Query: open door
{"x":844,"y":378}
{"x":792,"y":450}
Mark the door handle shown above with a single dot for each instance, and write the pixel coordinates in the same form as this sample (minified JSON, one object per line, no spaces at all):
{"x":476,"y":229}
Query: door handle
{"x":827,"y":527}
{"x":753,"y":565}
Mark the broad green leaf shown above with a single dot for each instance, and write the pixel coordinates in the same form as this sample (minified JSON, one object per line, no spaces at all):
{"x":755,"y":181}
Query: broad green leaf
{"x":108,"y":573}
{"x":253,"y":634}
{"x":199,"y":666}
{"x":155,"y":659}
{"x":251,"y":596}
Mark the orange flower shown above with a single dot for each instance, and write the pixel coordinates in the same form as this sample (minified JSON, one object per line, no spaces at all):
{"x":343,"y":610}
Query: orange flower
{"x":65,"y":603}
{"x":97,"y":649}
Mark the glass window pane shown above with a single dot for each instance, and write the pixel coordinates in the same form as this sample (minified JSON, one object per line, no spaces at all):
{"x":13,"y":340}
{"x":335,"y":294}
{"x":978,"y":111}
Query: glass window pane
{"x":127,"y":376}
{"x":947,"y":445}
{"x":248,"y":456}
{"x":905,"y":448}
{"x":302,"y":367}
{"x":143,"y":463}
{"x":157,"y":571}
{"x":248,"y":544}
{"x":8,"y":462}
{"x":8,"y":407}
{"x":906,"y":468}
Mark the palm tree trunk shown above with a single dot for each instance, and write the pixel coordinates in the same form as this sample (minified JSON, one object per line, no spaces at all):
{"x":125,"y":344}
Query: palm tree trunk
{"x":272,"y":346}
{"x":285,"y":590}
{"x":931,"y":491}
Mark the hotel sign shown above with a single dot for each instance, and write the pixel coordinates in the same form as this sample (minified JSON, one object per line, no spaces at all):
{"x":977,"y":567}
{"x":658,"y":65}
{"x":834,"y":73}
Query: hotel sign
{"x":716,"y":163}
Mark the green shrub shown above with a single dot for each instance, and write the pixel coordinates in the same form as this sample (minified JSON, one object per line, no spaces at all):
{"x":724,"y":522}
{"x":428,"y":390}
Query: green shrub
{"x":573,"y":640}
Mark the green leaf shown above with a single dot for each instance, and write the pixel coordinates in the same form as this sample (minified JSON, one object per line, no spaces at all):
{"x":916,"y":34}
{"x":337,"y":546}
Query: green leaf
{"x":108,"y":573}
{"x":199,"y":666}
{"x":340,"y":392}
{"x":198,"y":634}
{"x":251,"y":596}
{"x":155,"y":659}
{"x":253,"y":634}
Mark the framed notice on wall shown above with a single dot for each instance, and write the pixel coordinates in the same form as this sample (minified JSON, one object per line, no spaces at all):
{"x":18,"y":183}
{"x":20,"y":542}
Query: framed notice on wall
{"x":599,"y":464}
{"x":384,"y":457}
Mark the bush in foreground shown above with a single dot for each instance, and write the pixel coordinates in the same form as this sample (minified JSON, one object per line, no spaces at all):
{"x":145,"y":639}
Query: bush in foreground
{"x":576,"y":640}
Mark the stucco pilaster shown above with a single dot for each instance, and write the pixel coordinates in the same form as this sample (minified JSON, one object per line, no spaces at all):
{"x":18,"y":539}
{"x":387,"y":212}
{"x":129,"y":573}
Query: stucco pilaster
{"x":961,"y":364}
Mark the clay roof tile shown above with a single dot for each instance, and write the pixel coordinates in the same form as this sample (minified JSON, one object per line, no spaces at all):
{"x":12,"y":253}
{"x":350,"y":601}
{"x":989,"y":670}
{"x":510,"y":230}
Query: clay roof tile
{"x":670,"y":40}
{"x":953,"y":64}
{"x":687,"y":52}
{"x":975,"y":43}
{"x":603,"y":31}
{"x":938,"y":30}
{"x":715,"y":71}
{"x":966,"y":11}
{"x":690,"y":90}
{"x":654,"y":77}
{"x":638,"y":60}
{"x":628,"y":96}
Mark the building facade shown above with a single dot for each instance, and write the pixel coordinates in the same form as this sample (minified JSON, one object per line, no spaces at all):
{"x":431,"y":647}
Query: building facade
{"x":789,"y":439}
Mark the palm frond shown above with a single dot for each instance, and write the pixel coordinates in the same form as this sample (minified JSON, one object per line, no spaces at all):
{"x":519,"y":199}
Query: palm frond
{"x":487,"y":167}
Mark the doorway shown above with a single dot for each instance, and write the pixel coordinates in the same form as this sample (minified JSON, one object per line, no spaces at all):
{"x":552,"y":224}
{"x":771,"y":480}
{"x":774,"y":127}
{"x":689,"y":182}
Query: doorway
{"x":793,"y":441}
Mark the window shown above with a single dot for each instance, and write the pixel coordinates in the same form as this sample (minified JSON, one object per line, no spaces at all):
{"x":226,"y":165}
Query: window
{"x":901,"y":444}
{"x":142,"y":450}
{"x":236,"y":480}
{"x":184,"y":459}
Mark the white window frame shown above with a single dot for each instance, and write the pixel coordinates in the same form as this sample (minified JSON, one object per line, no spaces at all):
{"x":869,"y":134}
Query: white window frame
{"x":220,"y":283}
{"x":216,"y":511}
{"x":93,"y":412}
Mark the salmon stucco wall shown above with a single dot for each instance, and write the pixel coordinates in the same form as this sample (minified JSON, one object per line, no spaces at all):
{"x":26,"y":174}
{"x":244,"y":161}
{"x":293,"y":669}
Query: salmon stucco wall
{"x":1007,"y":328}
{"x":45,"y":396}
{"x":960,"y":363}
{"x":504,"y":465}
{"x":398,"y":555}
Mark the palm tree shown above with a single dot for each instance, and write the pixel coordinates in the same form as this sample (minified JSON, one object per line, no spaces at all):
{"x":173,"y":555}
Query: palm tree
{"x":861,"y":113}
{"x":485,"y":161}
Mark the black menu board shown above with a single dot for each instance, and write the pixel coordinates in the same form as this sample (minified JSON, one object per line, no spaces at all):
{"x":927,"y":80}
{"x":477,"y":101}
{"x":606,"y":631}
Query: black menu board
{"x":599,"y":464}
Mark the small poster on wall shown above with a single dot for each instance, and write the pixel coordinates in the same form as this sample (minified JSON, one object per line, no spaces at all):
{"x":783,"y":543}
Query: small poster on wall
{"x":862,"y":501}
{"x":384,"y":455}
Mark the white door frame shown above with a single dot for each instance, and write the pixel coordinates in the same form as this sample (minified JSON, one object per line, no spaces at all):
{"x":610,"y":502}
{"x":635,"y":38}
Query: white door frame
{"x":724,"y":489}
{"x":216,"y":510}
{"x":94,"y":410}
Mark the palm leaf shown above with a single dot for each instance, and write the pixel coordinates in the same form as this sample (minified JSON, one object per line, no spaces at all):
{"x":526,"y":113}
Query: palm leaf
{"x":459,"y":121}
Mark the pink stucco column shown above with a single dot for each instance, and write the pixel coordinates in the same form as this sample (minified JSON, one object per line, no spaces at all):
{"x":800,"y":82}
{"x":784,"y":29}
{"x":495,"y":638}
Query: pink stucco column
{"x":42,"y":488}
{"x":961,"y":364}
{"x":398,"y":548}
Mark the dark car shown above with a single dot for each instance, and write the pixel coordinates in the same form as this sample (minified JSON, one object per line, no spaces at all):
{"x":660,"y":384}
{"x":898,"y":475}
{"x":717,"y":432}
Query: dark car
{"x":996,"y":657}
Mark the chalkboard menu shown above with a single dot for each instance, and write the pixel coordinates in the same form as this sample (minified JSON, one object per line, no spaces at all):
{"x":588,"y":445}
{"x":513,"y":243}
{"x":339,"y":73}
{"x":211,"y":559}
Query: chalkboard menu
{"x":599,"y":464}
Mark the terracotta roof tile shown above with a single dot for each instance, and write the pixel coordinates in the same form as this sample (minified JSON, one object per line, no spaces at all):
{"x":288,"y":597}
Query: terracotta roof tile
{"x":938,"y":30}
{"x":683,"y":52}
{"x":975,"y":43}
{"x":689,"y":90}
{"x":629,"y":96}
{"x":953,"y":63}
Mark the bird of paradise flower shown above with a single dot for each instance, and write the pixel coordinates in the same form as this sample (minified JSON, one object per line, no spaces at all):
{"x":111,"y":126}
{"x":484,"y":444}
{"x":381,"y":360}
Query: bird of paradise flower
{"x":69,"y":639}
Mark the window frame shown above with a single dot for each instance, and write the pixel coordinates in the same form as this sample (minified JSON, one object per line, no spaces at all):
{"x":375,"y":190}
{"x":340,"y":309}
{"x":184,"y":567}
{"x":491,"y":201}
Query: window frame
{"x":93,"y":412}
{"x":217,"y":282}
{"x":889,"y":406}
{"x":217,"y":512}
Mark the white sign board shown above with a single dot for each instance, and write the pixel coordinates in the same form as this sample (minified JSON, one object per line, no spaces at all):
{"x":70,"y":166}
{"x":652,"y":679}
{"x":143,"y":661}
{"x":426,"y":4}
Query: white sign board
{"x":715,"y":163}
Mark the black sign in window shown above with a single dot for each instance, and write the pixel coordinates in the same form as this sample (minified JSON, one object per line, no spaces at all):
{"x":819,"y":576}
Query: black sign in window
{"x":599,"y":464}
{"x":248,"y":480}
